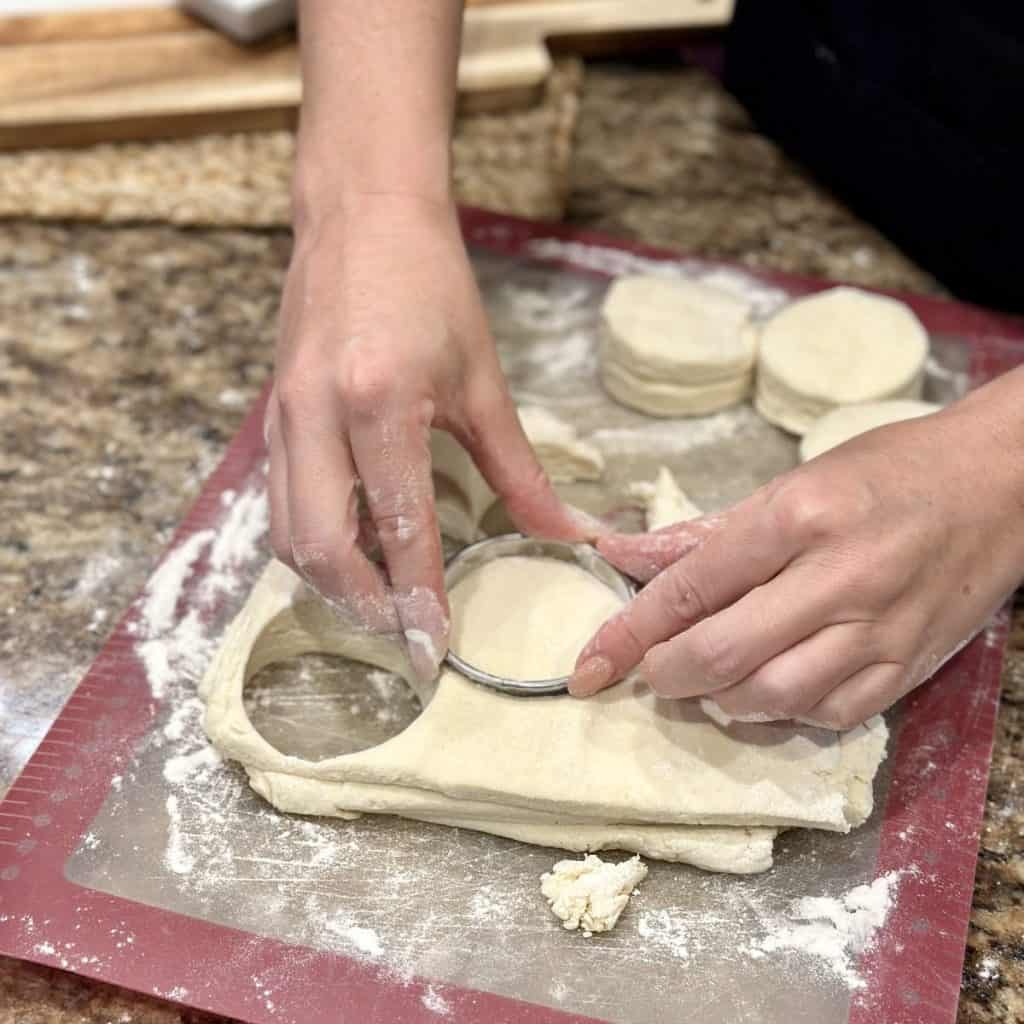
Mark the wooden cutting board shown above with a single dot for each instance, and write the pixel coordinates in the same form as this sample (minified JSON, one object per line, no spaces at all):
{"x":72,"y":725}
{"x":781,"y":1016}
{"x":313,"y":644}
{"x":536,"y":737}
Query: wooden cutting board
{"x":81,"y":77}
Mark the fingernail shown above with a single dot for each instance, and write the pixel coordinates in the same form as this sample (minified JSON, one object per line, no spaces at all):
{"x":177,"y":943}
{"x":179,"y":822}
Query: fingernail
{"x":425,"y":628}
{"x":593,"y":675}
{"x":425,"y":653}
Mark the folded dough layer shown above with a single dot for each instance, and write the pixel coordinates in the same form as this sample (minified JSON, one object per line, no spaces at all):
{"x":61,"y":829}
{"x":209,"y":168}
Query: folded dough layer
{"x":625,"y":768}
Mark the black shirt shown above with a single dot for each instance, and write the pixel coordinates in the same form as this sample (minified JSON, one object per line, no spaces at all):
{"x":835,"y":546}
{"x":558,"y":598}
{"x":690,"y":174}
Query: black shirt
{"x":912,"y":111}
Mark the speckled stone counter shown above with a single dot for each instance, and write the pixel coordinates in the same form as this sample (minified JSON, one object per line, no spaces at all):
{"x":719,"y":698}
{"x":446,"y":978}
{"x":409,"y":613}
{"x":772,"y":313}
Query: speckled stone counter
{"x":128,"y":356}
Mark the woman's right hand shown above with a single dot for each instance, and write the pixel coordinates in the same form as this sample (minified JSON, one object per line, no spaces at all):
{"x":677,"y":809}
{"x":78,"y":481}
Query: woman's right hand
{"x":383,"y":336}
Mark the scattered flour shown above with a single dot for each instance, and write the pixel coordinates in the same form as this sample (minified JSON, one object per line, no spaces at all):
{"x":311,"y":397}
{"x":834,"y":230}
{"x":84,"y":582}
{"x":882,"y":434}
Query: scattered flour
{"x":540,"y":310}
{"x":675,"y":436}
{"x":170,"y":648}
{"x":165,"y":586}
{"x":833,"y":930}
{"x":615,"y":262}
{"x":247,"y":521}
{"x":667,"y":930}
{"x":363,"y":940}
{"x":176,"y":857}
{"x":181,"y":716}
{"x":179,"y":768}
{"x":435,"y":1002}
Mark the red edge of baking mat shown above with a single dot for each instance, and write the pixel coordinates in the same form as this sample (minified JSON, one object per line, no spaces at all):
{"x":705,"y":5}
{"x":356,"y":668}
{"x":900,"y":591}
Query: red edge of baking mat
{"x":916,"y":973}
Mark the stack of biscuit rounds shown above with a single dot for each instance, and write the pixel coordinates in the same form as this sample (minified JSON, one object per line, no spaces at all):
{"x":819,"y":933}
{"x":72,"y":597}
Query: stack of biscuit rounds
{"x":677,"y":347}
{"x":674,"y":347}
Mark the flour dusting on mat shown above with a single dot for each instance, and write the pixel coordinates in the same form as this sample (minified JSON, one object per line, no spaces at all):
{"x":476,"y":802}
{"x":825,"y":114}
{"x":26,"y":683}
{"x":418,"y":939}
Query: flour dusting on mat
{"x":171,"y":649}
{"x":677,"y":436}
{"x":833,"y":930}
{"x":763,"y":298}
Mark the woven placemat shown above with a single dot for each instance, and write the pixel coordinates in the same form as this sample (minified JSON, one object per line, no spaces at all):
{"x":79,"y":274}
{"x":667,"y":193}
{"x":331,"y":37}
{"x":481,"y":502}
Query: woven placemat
{"x":515,"y":162}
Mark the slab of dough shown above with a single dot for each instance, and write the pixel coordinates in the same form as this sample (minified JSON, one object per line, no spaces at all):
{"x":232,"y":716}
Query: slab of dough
{"x":848,"y":421}
{"x":624,"y":769}
{"x":672,"y":347}
{"x":591,"y":894}
{"x":838,"y":347}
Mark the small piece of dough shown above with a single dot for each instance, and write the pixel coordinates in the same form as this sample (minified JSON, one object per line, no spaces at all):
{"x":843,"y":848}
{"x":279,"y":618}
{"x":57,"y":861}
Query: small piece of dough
{"x":462,"y":496}
{"x":591,"y":894}
{"x":563,"y":455}
{"x":673,"y":347}
{"x":849,"y":421}
{"x":665,"y":502}
{"x":839,"y":347}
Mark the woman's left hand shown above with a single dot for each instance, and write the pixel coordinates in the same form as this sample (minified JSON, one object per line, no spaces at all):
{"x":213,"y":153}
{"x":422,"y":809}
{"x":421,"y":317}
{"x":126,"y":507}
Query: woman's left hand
{"x":838,"y":587}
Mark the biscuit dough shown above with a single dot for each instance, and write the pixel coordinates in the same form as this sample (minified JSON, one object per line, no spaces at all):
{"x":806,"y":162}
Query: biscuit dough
{"x":848,"y":421}
{"x":559,"y":449}
{"x":624,"y":769}
{"x":462,"y":496}
{"x":673,"y":347}
{"x":839,"y":347}
{"x":591,"y":894}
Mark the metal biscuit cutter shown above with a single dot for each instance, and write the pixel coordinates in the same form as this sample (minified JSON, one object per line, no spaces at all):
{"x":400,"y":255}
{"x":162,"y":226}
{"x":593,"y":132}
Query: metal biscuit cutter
{"x":471,"y":558}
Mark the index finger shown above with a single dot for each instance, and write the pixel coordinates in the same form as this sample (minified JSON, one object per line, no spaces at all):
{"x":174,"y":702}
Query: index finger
{"x":747,"y":551}
{"x":392,"y":456}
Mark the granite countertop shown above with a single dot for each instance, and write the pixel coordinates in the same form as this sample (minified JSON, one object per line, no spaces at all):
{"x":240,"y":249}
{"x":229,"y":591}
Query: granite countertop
{"x":128,"y":356}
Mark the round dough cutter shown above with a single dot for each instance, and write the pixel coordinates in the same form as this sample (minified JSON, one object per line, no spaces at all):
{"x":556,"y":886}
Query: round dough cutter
{"x":472,"y":558}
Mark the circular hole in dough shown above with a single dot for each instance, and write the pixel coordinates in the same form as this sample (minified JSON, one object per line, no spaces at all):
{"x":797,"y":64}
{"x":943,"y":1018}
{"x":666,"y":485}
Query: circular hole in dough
{"x":317,"y":706}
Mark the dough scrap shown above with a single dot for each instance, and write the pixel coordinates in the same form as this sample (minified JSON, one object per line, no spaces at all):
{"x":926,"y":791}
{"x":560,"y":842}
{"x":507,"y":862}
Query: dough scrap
{"x":462,"y":496}
{"x":665,"y":502}
{"x":591,"y":894}
{"x":673,"y":347}
{"x":839,"y":347}
{"x":849,"y":421}
{"x":563,"y":455}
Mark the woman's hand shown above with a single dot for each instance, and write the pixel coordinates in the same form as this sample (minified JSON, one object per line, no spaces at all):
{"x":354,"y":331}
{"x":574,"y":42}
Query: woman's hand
{"x":383,"y":336}
{"x":838,"y":587}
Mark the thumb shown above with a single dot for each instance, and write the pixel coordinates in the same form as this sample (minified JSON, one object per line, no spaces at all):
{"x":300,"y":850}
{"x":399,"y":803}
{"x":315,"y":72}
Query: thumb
{"x":504,"y":456}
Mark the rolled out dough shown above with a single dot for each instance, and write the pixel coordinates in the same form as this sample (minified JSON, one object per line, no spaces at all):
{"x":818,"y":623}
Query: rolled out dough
{"x":624,"y":769}
{"x":849,"y":421}
{"x":672,"y":347}
{"x":839,"y":347}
